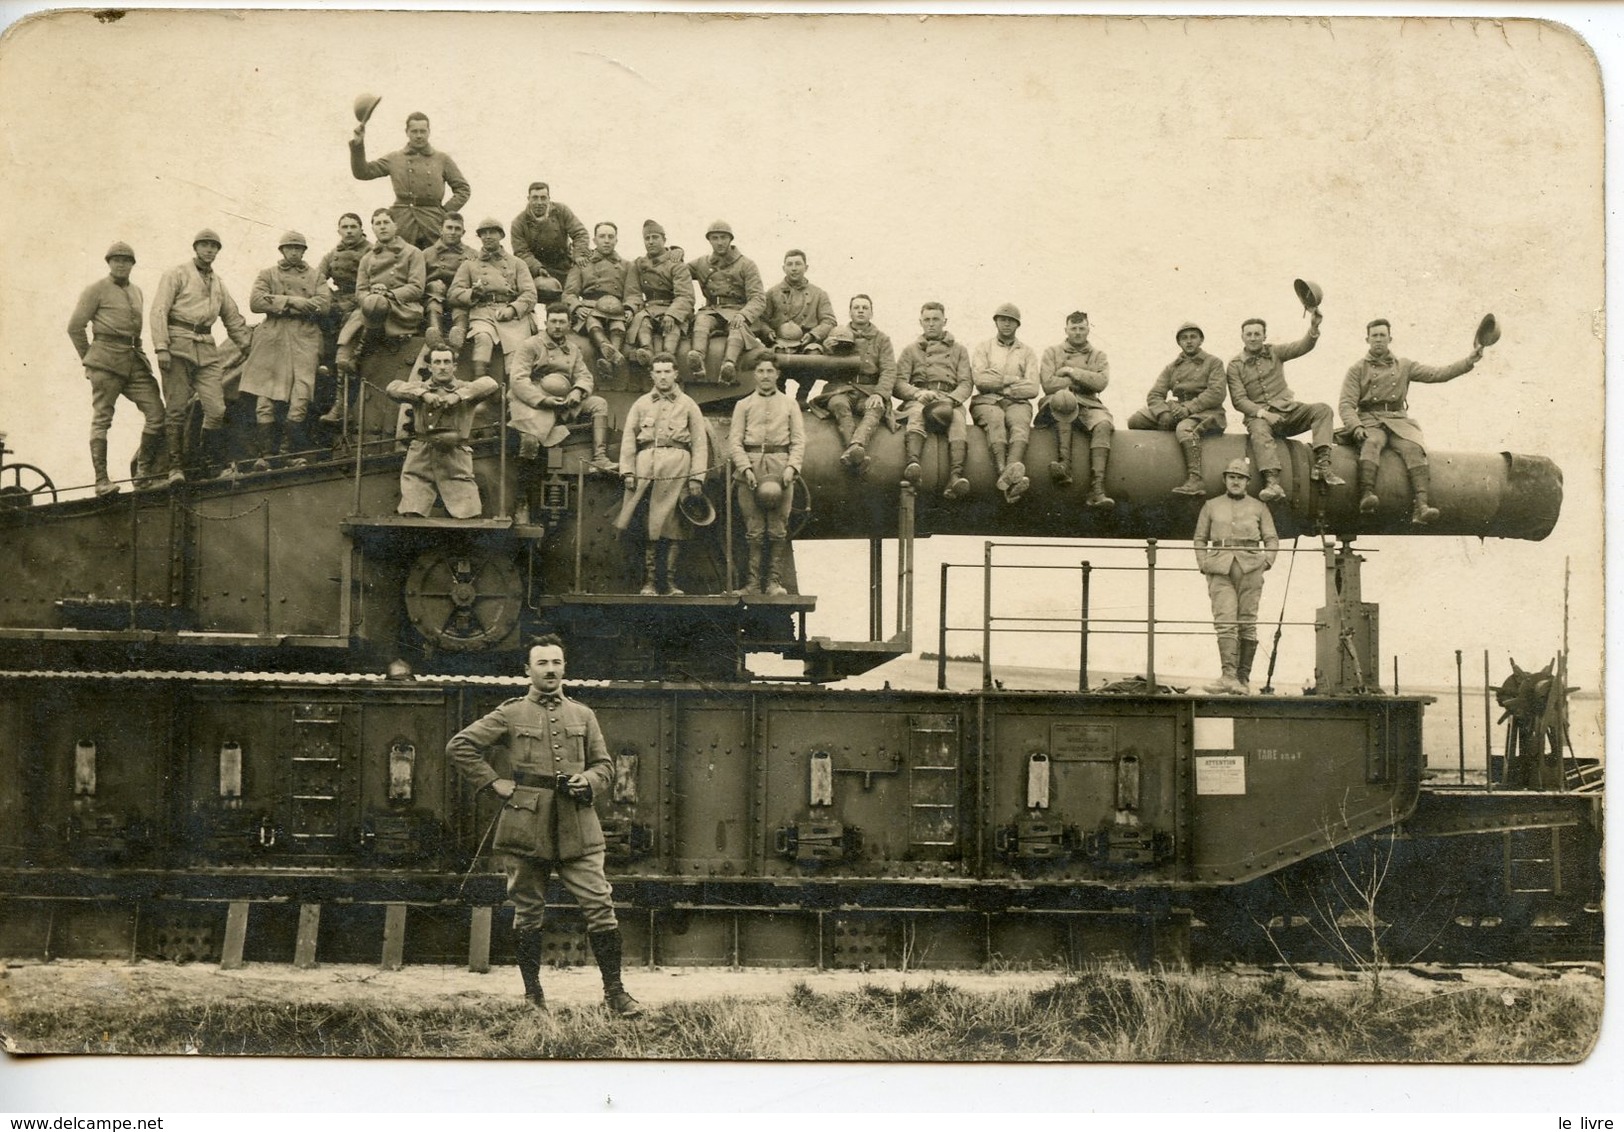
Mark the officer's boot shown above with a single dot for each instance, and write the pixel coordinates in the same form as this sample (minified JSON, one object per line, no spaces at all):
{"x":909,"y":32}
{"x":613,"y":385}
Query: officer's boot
{"x":341,"y":394}
{"x":673,"y":551}
{"x":527,"y":953}
{"x":752,"y":560}
{"x":1421,"y":512}
{"x":98,"y":461}
{"x":606,"y":950}
{"x":913,"y":446}
{"x":1060,"y":466}
{"x":149,"y":460}
{"x":173,"y":435}
{"x":1098,"y":460}
{"x":650,"y":557}
{"x":957,"y":486}
{"x":1192,"y":484}
{"x":1243,"y":665}
{"x":1229,"y":657}
{"x":776,"y":550}
{"x":601,"y":464}
{"x":1015,"y":470}
{"x":1368,"y":500}
{"x":1322,"y":468}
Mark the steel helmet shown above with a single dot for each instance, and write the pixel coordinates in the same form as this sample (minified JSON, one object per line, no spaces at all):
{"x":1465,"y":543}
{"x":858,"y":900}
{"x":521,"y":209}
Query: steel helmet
{"x":788,"y":335}
{"x":547,"y":287}
{"x":1062,"y":404}
{"x":697,"y":509}
{"x":555,"y":384}
{"x":769,"y":493}
{"x":365,"y":104}
{"x":610,"y":306}
{"x":119,"y":247}
{"x":840,"y":338}
{"x":207,"y":236}
{"x":1488,"y":332}
{"x":1189,"y":326}
{"x":1309,"y":294}
{"x":293,"y":239}
{"x":939,"y":414}
{"x":490,"y":222}
{"x":1239,"y":466}
{"x":719,"y":226}
{"x":374,"y":304}
{"x":1008,"y":310}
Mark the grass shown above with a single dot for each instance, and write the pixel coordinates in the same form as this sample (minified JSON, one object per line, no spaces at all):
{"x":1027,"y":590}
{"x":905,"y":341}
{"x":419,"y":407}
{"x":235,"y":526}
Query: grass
{"x":1097,"y":1015}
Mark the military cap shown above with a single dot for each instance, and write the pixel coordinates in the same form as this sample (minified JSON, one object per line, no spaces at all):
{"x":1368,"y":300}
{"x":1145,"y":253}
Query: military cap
{"x":653,"y":226}
{"x":1008,"y":310}
{"x":119,"y":247}
{"x":293,"y":238}
{"x":1239,"y":466}
{"x":1189,"y":326}
{"x":207,"y":236}
{"x":490,"y":222}
{"x":721,"y":226}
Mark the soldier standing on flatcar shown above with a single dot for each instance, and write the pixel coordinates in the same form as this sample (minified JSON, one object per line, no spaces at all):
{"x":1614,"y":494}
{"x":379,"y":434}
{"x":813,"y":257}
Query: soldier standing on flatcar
{"x":560,"y":765}
{"x":116,"y":366}
{"x":1073,"y":375}
{"x":1004,"y":371}
{"x":439,"y":458}
{"x":870,"y":394}
{"x":662,"y":289}
{"x":281,"y":367}
{"x":420,"y":175}
{"x":933,"y":383}
{"x":495,"y":293}
{"x":1373,"y":407}
{"x":797,"y":317}
{"x":338,"y":268}
{"x":441,"y":260}
{"x":597,"y":292}
{"x":549,"y":238}
{"x":1235,"y":543}
{"x":189,"y":299}
{"x":734,"y":299}
{"x":1188,"y":401}
{"x":664,"y":452}
{"x":539,"y":416}
{"x":767,"y":442}
{"x":1257,"y":386}
{"x":389,"y":291}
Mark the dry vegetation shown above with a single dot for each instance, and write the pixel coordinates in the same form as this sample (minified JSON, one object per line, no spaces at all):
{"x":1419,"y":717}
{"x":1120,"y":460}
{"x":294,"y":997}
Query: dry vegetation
{"x":1097,"y":1015}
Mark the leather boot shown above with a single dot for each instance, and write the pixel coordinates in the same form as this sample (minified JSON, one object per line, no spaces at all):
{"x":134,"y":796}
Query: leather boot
{"x":1015,"y":469}
{"x":1060,"y":466}
{"x":149,"y":460}
{"x":957,"y":486}
{"x":1368,"y":500}
{"x":216,"y":455}
{"x":650,"y":557}
{"x":1000,"y":464}
{"x":913,"y":446}
{"x":172,"y":445}
{"x":696,"y":365}
{"x":527,"y":954}
{"x":1272,"y":491}
{"x":1192,"y":484}
{"x":752,"y":555}
{"x":1098,"y":460}
{"x":264,"y":446}
{"x":601,"y":464}
{"x":673,"y":551}
{"x":1228,"y":656}
{"x":98,"y":461}
{"x":1322,"y":468}
{"x":1243,"y":665}
{"x":777,"y":548}
{"x":294,"y":440}
{"x":606,"y":949}
{"x":1421,"y":512}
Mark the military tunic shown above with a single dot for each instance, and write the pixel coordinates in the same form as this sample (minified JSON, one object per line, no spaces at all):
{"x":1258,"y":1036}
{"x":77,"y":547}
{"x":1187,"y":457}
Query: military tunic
{"x":1005,"y":380}
{"x":807,"y":306}
{"x":399,"y":267}
{"x":665,"y":445}
{"x":767,"y":436}
{"x":876,"y":376}
{"x":732,"y":286}
{"x":662,"y":286}
{"x":281,"y":364}
{"x":938,"y":364}
{"x":1375,"y":392}
{"x":593,"y":278}
{"x":536,"y":357}
{"x":1196,"y":384}
{"x":1090,"y":374}
{"x":420,"y":178}
{"x":1258,"y":382}
{"x":1235,"y":542}
{"x":550,"y":242}
{"x":113,"y":359}
{"x":184,"y":308}
{"x":485,"y":285}
{"x":439,"y":458}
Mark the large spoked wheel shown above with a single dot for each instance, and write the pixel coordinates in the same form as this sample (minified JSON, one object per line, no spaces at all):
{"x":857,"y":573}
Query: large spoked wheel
{"x":463,"y":601}
{"x":800,"y":506}
{"x":23,"y":485}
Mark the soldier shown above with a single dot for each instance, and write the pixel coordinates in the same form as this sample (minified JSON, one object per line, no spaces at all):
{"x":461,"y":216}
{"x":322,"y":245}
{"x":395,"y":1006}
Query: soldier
{"x":1257,"y":386}
{"x":1004,"y":371}
{"x":734,"y":299}
{"x":338,"y":268}
{"x":933,"y":383}
{"x":560,"y":765}
{"x":664,"y":452}
{"x":496,"y":293}
{"x":549,"y":238}
{"x":797,"y":317}
{"x":597,"y":291}
{"x":441,"y":260}
{"x":1188,"y":401}
{"x":281,"y":366}
{"x":870,"y":394}
{"x":439,"y":459}
{"x":1373,"y":404}
{"x":188,"y":300}
{"x":538,"y":416}
{"x":1073,"y":375}
{"x":662,"y":289}
{"x":389,"y":289}
{"x":767,"y":442}
{"x":420,"y":175}
{"x":1235,"y":543}
{"x":116,"y":366}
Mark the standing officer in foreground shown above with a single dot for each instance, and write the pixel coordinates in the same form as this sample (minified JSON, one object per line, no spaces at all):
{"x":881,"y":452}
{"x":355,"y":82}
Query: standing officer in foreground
{"x":1257,"y":386}
{"x":420,"y":174}
{"x":1235,"y":542}
{"x":560,"y":764}
{"x":115,"y":364}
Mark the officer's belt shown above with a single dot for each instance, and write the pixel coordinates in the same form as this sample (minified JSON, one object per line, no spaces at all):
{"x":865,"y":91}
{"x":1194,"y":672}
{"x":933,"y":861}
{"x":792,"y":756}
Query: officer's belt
{"x":659,"y":297}
{"x":767,"y":449}
{"x":541,"y":781}
{"x":682,"y":444}
{"x":194,"y":327}
{"x":1383,"y":406}
{"x":418,"y":202}
{"x":1182,"y":397}
{"x":1231,"y":543}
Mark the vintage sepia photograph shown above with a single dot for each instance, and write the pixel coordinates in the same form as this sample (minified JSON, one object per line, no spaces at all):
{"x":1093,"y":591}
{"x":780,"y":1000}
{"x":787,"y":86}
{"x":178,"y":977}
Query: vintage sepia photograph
{"x":785,"y":537}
